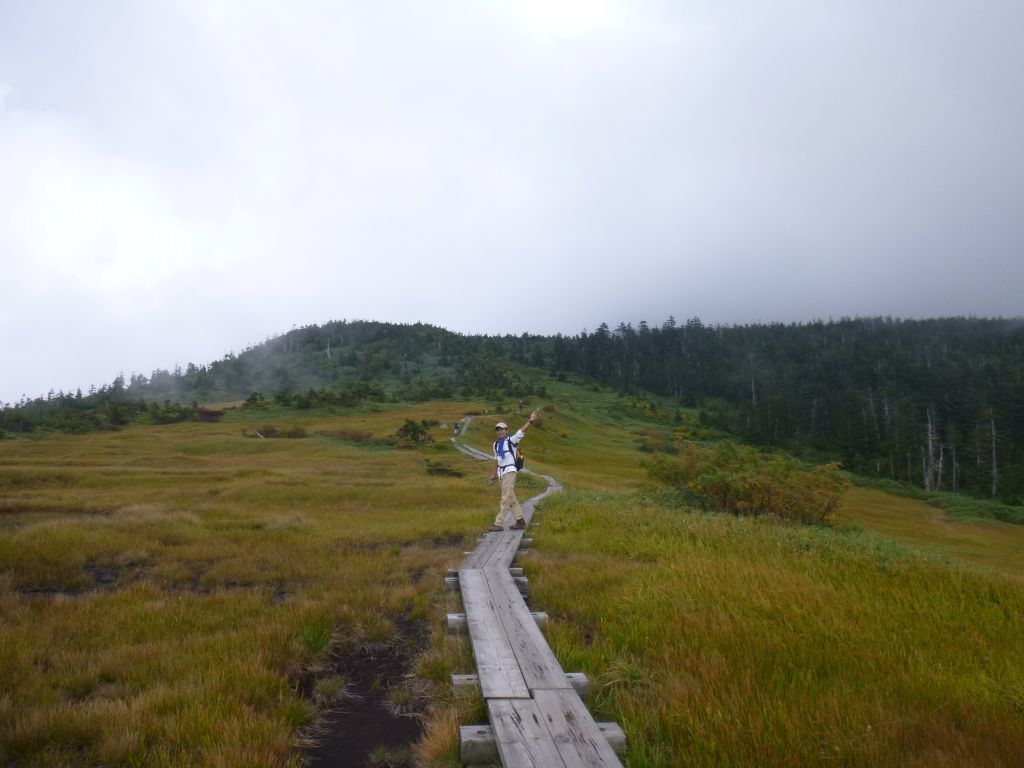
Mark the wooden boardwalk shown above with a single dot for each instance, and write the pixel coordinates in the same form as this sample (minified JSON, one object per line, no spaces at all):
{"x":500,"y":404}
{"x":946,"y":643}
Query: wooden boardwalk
{"x":537,"y":718}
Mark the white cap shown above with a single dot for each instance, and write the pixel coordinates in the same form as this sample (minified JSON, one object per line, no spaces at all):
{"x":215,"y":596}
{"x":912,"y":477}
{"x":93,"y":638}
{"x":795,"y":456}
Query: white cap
{"x":501,"y":425}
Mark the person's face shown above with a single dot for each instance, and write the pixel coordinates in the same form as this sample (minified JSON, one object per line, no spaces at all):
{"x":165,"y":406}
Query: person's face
{"x":500,"y":432}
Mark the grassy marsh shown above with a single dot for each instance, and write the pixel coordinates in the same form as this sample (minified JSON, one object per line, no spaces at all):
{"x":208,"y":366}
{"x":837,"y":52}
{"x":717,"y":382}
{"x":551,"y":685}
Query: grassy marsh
{"x":163,"y":590}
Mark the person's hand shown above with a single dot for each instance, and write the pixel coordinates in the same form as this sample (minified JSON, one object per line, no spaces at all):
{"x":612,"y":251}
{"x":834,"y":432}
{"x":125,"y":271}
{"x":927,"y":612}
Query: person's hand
{"x":533,"y":417}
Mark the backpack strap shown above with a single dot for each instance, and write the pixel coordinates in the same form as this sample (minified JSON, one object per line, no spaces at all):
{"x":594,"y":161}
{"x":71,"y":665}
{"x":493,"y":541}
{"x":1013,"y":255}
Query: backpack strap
{"x":509,"y":448}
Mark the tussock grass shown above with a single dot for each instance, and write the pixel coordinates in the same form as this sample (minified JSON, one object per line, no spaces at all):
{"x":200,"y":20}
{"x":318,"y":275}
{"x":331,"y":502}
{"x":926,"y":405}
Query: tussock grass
{"x":719,"y":640}
{"x":164,"y":589}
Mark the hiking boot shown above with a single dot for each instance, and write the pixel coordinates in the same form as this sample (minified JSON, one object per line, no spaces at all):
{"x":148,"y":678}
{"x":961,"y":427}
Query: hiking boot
{"x":495,"y":528}
{"x":518,"y":525}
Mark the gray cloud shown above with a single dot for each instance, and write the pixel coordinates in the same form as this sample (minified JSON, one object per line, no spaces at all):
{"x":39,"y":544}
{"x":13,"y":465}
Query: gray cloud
{"x":183,"y":178}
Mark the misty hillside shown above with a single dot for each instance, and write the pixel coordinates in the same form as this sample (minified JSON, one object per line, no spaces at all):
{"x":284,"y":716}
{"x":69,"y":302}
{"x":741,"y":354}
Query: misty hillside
{"x":938,"y":404}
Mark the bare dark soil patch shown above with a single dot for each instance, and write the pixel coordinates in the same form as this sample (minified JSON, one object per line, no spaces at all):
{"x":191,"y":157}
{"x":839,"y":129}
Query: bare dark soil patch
{"x":440,"y":468}
{"x":52,"y":590}
{"x":442,"y":542}
{"x":104,"y":578}
{"x":365,"y":731}
{"x":110,"y":577}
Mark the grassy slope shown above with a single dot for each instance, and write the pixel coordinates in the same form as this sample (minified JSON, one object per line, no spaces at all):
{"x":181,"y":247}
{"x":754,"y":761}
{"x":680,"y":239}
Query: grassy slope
{"x":715,"y":641}
{"x":987,"y":544}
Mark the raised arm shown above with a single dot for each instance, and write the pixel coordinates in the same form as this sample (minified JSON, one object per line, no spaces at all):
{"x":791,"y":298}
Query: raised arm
{"x":526,"y":426}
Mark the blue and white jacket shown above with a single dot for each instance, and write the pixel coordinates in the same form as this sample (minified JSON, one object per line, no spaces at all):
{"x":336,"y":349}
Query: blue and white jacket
{"x":505,"y":454}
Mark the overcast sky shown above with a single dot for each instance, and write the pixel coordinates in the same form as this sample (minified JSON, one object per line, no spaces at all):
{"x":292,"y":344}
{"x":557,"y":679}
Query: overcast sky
{"x":184,"y":178}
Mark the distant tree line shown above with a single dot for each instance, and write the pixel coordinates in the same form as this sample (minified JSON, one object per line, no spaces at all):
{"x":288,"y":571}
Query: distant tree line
{"x":109,"y":407}
{"x":935,"y":403}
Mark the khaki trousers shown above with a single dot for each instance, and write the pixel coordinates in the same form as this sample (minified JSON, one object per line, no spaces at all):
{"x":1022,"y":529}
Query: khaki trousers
{"x":508,"y":498}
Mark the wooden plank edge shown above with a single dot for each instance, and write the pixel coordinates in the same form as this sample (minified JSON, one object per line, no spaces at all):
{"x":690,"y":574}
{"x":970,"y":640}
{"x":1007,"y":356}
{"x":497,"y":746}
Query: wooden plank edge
{"x":578,"y":680}
{"x":514,"y":570}
{"x":451,"y":583}
{"x":456,"y":624}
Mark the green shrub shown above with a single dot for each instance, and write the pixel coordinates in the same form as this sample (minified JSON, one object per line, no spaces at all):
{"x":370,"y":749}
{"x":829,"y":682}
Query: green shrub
{"x":729,"y":477}
{"x":416,"y":432}
{"x":255,"y":400}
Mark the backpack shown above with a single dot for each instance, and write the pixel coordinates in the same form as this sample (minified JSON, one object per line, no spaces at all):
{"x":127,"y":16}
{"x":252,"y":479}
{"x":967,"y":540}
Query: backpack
{"x":512,"y":448}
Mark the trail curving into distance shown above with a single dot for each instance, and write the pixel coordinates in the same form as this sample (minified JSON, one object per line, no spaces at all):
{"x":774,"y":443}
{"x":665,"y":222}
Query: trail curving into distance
{"x":537,"y":718}
{"x":553,"y":485}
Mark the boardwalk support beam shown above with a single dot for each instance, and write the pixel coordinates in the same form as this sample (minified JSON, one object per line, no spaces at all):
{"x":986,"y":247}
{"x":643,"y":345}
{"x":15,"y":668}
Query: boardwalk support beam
{"x":478,"y":747}
{"x":457,"y":625}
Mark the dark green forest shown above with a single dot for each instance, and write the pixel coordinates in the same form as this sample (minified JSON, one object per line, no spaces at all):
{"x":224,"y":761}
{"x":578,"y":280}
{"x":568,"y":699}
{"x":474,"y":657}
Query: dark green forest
{"x":935,"y":403}
{"x":938,"y":403}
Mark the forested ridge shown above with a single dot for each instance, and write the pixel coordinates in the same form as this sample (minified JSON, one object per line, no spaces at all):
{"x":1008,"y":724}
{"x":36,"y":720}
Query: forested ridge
{"x":937,"y":403}
{"x":337,"y":364}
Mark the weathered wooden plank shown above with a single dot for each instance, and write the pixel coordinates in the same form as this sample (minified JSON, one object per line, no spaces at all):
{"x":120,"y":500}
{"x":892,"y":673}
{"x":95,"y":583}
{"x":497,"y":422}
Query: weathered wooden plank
{"x":478,"y":746}
{"x":496,"y":662}
{"x":522,"y":737}
{"x":503,"y":554}
{"x":539,"y":666}
{"x":580,"y":742}
{"x":479,"y":556}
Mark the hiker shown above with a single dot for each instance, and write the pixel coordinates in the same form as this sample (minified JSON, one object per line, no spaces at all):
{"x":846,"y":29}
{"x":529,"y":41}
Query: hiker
{"x":505,"y":470}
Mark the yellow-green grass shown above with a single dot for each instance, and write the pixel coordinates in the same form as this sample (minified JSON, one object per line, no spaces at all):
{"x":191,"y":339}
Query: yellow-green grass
{"x":718,"y":640}
{"x":989,"y":544}
{"x":163,"y":589}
